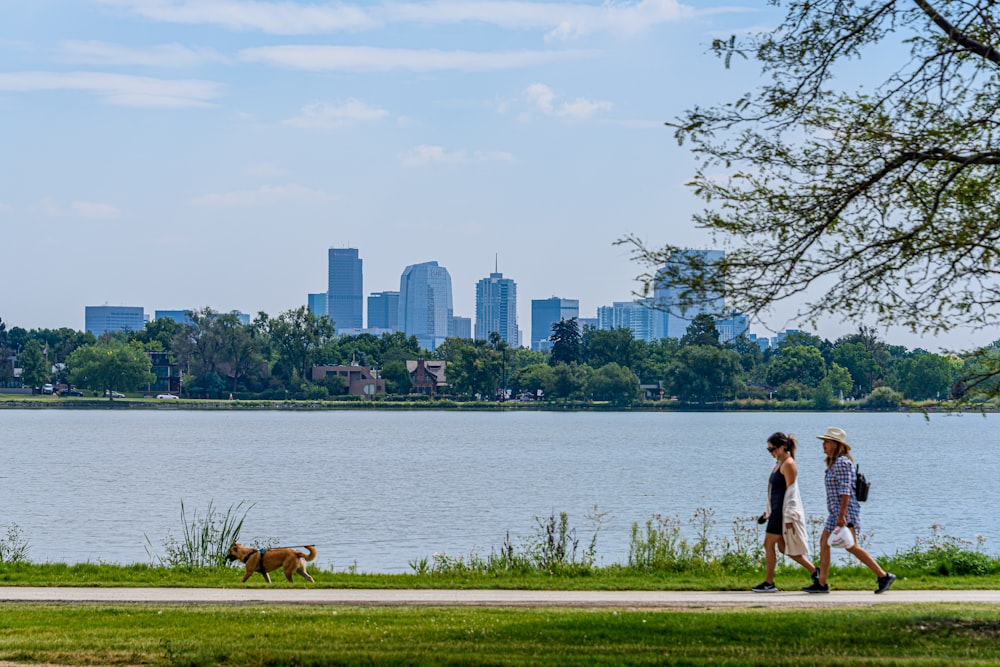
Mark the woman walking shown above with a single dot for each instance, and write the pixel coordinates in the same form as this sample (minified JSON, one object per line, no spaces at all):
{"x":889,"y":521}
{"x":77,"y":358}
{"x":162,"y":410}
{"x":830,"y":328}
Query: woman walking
{"x":842,"y":510}
{"x":786,"y":521}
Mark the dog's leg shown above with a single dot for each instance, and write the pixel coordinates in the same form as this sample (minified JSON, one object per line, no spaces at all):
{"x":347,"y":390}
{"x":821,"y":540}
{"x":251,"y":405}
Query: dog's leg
{"x":247,"y":575}
{"x":267,"y":577}
{"x":302,"y":571}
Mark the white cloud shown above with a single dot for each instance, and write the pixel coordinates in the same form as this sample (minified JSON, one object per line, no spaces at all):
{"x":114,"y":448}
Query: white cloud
{"x":268,"y":194}
{"x":279,"y":18}
{"x":562,"y":21}
{"x":373,"y":59}
{"x":118,"y":89}
{"x":328,"y":116}
{"x":94,"y":210}
{"x":543,"y":98}
{"x":559,"y":20}
{"x":425,"y":154}
{"x":161,"y":55}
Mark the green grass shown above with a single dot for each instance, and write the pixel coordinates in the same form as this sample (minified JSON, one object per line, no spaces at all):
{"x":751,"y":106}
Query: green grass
{"x":606,"y":578}
{"x":274,"y":635}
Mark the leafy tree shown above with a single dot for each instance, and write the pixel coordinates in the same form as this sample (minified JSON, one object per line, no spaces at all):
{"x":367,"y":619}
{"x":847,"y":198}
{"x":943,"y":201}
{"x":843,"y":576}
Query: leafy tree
{"x":534,"y":377}
{"x":878,"y":198}
{"x":35,"y":371}
{"x":474,"y":367}
{"x":891,"y":190}
{"x":615,"y":384}
{"x":396,"y":377}
{"x":924,"y":376}
{"x":703,"y":373}
{"x":110,"y":365}
{"x":570,"y":381}
{"x":158,"y":335}
{"x":566,"y":342}
{"x":802,"y":363}
{"x":839,"y":380}
{"x":701,"y":331}
{"x":295,"y":338}
{"x":605,"y":346}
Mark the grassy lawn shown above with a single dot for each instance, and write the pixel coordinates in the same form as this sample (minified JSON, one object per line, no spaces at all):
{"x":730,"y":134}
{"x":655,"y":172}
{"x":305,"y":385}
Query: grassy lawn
{"x":256,"y":635}
{"x":607,"y":578}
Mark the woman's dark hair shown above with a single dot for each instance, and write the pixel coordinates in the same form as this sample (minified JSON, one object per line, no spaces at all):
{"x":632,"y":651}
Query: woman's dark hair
{"x":789,"y":443}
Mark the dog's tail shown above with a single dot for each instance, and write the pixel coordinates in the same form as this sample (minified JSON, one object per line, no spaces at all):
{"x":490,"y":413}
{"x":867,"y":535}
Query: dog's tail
{"x":312,"y":552}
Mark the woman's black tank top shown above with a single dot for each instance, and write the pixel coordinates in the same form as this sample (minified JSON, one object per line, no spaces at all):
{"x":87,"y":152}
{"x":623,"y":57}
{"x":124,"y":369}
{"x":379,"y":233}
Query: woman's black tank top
{"x":778,"y":488}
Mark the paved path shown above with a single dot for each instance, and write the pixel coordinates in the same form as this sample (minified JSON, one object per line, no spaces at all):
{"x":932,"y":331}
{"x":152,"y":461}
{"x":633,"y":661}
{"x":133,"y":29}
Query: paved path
{"x":488,"y":598}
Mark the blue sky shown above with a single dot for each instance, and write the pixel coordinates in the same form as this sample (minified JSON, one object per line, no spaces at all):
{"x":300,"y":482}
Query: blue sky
{"x":189,"y":153}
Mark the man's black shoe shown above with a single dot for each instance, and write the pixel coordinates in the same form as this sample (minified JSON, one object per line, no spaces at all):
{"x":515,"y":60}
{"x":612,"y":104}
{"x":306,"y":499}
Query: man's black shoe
{"x":884,"y":583}
{"x":815,"y":576}
{"x":817,"y":588}
{"x":765,"y":587}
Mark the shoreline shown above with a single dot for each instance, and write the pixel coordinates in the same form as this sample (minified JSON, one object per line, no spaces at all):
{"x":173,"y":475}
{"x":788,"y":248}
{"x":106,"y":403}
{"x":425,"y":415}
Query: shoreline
{"x":17,"y":402}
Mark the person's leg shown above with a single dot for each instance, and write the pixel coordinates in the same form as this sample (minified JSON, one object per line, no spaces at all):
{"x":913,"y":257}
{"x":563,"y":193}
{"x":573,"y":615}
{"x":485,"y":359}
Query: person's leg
{"x":824,"y":556}
{"x":865,"y":557}
{"x":770,"y":542}
{"x":804,"y":562}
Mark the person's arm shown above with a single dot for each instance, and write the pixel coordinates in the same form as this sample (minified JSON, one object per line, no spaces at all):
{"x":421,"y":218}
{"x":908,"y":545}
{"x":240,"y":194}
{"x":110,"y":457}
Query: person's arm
{"x":842,"y":515}
{"x":791,"y":472}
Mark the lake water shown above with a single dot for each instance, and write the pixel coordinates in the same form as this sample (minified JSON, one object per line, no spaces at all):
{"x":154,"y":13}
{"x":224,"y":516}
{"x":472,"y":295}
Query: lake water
{"x":378,"y":489}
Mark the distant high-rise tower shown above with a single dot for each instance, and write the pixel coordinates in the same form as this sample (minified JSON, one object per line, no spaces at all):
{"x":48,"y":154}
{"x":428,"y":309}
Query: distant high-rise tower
{"x":99,"y":319}
{"x":383,"y":310}
{"x":545,"y":313}
{"x":345,"y":293}
{"x":666,"y":299}
{"x":425,"y":305}
{"x":639,"y":316}
{"x":496,"y":309}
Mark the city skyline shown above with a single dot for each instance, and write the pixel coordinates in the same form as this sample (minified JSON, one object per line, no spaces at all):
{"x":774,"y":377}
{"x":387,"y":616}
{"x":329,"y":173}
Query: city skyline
{"x":181,"y":153}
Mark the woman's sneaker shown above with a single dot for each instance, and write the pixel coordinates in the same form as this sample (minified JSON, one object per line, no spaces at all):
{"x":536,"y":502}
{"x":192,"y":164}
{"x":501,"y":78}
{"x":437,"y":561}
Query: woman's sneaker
{"x":765,"y":587}
{"x":817,"y":587}
{"x":884,"y":583}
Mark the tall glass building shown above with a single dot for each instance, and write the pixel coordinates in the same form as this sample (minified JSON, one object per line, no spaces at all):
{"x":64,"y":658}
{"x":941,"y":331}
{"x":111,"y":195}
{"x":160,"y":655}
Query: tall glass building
{"x":676,"y":319}
{"x":345,"y":291}
{"x":383,"y":310}
{"x":496,"y":309}
{"x":639,"y":316}
{"x":545,"y":313}
{"x":425,"y":305}
{"x":100,"y":319}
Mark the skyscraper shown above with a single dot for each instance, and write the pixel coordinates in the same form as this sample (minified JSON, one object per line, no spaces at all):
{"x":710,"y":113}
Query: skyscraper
{"x":677,"y":318}
{"x":545,"y":313}
{"x":425,"y":305}
{"x":345,"y":293}
{"x":317,"y":303}
{"x":496,"y":309}
{"x":638,"y":316}
{"x":99,"y":319}
{"x":383,"y":310}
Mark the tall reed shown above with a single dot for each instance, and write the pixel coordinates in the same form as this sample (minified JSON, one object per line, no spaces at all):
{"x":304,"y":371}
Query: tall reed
{"x":205,"y":540}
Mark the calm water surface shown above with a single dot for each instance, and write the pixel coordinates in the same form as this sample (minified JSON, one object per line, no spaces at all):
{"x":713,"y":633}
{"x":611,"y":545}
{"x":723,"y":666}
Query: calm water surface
{"x":379,"y":489}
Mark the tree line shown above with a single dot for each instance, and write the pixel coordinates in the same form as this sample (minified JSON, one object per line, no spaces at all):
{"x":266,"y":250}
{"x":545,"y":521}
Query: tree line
{"x":272,"y":358}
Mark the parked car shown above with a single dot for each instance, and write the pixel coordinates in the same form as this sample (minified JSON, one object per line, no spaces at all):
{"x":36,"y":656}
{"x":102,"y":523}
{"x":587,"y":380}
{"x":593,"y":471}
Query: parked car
{"x":48,"y":388}
{"x":71,"y":392}
{"x":166,"y":396}
{"x":114,"y":394}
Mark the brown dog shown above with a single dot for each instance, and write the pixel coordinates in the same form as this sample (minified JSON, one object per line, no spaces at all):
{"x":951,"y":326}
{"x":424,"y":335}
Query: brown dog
{"x":269,"y":560}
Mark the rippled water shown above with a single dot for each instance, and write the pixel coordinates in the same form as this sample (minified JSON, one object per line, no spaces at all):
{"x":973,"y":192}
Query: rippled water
{"x":379,"y":489}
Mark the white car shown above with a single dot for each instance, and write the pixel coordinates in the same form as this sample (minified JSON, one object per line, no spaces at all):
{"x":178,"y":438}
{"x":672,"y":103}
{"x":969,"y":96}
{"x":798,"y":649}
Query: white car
{"x":48,"y":389}
{"x":166,"y":396}
{"x":114,"y":394}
